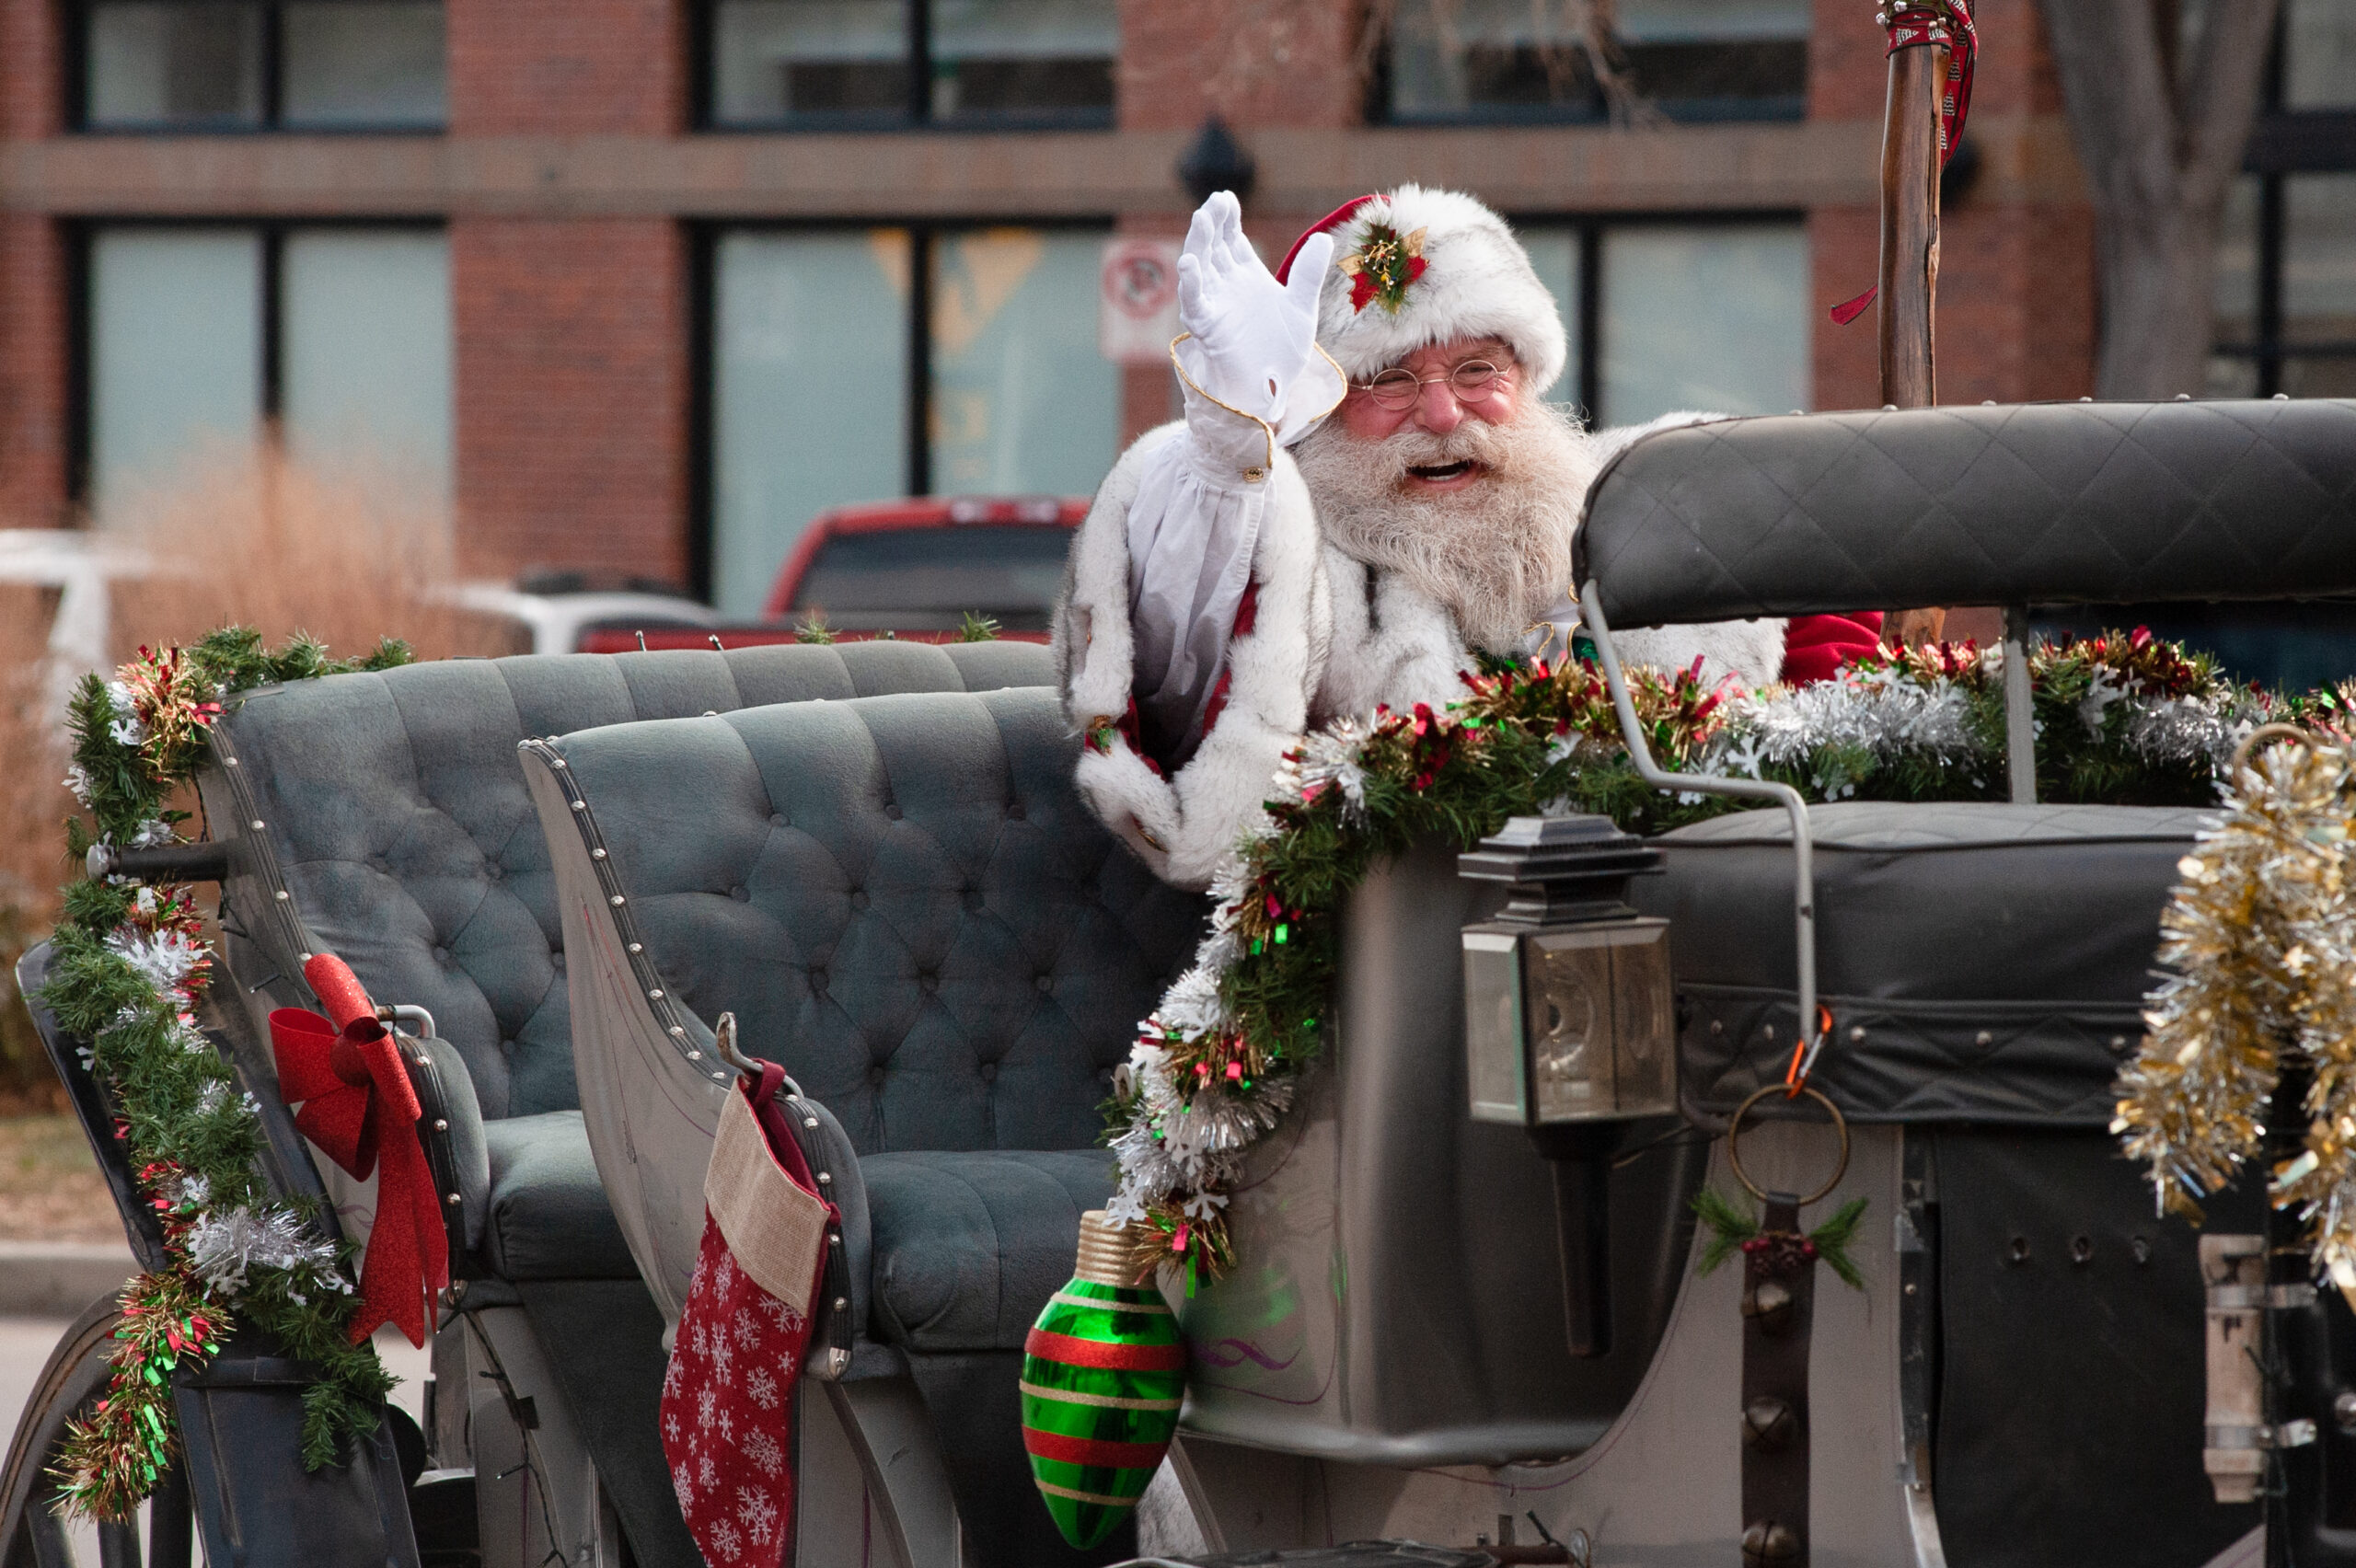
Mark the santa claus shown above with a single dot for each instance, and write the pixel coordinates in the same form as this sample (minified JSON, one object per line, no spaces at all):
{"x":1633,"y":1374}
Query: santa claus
{"x":1367,"y":488}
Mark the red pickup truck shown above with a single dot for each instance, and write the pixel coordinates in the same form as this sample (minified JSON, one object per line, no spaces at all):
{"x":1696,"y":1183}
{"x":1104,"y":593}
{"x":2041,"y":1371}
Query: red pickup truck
{"x":916,"y":568}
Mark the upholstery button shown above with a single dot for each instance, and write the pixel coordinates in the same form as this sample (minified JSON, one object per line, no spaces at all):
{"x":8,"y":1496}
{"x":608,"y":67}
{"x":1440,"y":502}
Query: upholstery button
{"x":777,"y":819}
{"x":891,"y":810}
{"x":1046,"y":982}
{"x":875,"y":1075}
{"x":494,"y":871}
{"x":739,"y":893}
{"x":441,"y":955}
{"x":990,"y":1071}
{"x":928,"y":981}
{"x":1014,"y":812}
{"x":818,"y":980}
{"x":859,"y":898}
{"x":557,"y":959}
{"x":973,"y":897}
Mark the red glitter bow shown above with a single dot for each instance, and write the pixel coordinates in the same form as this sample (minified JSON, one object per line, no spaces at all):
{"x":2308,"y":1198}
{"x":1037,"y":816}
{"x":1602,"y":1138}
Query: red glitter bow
{"x":1913,"y":24}
{"x":357,"y":1105}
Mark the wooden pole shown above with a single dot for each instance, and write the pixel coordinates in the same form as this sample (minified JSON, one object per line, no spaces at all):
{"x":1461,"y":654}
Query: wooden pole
{"x":1909,"y":261}
{"x":1910,"y":224}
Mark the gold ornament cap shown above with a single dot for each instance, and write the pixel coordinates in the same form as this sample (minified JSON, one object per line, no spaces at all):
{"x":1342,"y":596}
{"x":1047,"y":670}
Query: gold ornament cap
{"x":1107,"y":1253}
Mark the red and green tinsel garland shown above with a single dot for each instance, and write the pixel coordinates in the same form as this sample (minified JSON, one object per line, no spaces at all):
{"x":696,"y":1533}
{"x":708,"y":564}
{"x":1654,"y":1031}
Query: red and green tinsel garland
{"x":2124,"y":718}
{"x":128,"y":970}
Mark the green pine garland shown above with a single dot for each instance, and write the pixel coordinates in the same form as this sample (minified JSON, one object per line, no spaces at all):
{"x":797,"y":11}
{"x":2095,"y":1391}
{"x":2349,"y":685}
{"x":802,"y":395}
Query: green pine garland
{"x":2122,"y":719}
{"x":128,"y":969}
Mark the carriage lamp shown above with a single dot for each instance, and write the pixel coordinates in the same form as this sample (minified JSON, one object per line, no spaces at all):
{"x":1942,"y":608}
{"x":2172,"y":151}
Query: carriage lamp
{"x":1570,"y":1025}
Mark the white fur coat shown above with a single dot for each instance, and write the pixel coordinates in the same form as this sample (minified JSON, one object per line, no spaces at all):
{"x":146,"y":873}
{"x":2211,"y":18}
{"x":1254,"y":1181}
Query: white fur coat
{"x":1331,"y":638}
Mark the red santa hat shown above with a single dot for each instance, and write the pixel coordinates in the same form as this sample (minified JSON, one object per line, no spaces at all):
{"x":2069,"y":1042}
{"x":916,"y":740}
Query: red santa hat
{"x":1417,"y":266}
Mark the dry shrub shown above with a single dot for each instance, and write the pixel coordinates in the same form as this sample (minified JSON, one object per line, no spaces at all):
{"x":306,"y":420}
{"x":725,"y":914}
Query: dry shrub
{"x":33,"y":804}
{"x":349,"y":553}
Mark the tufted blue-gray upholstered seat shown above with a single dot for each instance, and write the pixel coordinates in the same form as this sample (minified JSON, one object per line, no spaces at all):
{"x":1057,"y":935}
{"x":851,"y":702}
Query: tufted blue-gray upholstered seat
{"x":905,"y":901}
{"x":390,"y":810}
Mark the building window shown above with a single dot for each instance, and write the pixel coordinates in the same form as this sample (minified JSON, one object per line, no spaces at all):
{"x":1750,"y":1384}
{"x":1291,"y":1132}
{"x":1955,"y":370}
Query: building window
{"x":2285,"y":301}
{"x":772,"y":63}
{"x":201,"y":336}
{"x":1665,"y":316}
{"x":198,"y":66}
{"x":1535,"y":60}
{"x":867,"y":365}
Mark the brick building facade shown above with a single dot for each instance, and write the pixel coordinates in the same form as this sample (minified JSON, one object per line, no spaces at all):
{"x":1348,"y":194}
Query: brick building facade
{"x":589,"y":188}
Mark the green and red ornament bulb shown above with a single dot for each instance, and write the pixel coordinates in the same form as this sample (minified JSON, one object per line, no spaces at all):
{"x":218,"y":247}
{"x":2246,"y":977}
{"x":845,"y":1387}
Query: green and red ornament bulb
{"x":1103,"y":1371}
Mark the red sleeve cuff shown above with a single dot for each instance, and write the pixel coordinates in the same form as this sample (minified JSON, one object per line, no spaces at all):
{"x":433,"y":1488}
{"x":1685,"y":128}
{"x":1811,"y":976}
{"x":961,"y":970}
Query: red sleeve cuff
{"x":1815,"y":647}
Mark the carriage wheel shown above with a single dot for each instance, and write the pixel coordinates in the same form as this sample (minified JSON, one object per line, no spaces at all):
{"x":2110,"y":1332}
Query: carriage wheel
{"x":31,"y":1534}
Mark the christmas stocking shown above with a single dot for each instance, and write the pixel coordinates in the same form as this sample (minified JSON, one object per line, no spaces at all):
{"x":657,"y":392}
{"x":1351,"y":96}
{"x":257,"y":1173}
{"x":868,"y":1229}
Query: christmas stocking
{"x":727,"y":1409}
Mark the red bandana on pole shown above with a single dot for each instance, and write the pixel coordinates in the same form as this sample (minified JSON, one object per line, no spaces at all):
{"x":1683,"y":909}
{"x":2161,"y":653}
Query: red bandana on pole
{"x":346,"y":1073}
{"x":1916,"y":24}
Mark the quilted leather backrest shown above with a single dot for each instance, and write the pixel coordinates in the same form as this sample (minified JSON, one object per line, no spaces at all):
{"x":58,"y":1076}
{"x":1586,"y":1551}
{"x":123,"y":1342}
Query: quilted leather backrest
{"x":394,"y":812}
{"x":2034,"y":503}
{"x":901,"y":899}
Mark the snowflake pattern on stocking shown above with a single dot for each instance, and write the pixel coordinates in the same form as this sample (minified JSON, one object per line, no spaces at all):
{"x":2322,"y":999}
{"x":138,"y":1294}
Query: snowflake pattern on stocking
{"x":727,"y":1412}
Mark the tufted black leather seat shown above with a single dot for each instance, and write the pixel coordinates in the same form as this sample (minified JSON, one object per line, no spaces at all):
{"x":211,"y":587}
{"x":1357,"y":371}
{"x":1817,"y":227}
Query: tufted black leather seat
{"x":390,"y":810}
{"x":905,"y":901}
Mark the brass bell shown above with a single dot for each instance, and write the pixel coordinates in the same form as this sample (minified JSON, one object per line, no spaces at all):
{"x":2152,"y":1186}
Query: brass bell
{"x":1770,"y":1423}
{"x":1768,"y":1542}
{"x":1770,"y":1301}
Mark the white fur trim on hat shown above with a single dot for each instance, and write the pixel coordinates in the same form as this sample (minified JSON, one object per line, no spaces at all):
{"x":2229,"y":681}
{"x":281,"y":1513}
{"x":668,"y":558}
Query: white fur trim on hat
{"x":1477,"y":282}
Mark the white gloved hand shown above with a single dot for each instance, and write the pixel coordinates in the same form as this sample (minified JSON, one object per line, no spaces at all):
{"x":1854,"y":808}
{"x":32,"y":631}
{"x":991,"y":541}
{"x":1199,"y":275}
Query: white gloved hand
{"x":1257,"y":337}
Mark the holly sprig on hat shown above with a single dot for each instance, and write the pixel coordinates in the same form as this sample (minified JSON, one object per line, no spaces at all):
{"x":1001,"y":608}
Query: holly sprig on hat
{"x":1382,"y":266}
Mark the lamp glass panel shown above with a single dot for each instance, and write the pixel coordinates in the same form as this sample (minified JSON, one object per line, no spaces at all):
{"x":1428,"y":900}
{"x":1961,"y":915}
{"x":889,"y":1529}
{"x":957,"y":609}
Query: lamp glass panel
{"x":1568,"y":974}
{"x":1643,"y":1022}
{"x":1493,"y":1055}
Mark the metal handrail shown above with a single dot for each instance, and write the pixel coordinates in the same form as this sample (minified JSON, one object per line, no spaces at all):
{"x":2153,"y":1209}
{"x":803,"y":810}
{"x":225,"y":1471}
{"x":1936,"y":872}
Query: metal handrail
{"x":1652,"y":773}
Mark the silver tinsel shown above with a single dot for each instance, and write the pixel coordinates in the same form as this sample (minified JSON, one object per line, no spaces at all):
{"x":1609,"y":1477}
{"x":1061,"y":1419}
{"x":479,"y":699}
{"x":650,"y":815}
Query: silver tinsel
{"x":1328,"y":759}
{"x":126,"y":728}
{"x":1184,"y":1145}
{"x":1879,"y":713}
{"x":224,"y":1247}
{"x":162,"y":958}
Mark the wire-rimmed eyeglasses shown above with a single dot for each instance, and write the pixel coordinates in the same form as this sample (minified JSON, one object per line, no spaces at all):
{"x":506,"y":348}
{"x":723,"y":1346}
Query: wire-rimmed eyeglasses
{"x":1398,"y":387}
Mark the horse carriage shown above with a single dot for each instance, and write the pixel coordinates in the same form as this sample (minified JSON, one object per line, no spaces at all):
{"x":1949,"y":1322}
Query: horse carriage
{"x":557,"y":872}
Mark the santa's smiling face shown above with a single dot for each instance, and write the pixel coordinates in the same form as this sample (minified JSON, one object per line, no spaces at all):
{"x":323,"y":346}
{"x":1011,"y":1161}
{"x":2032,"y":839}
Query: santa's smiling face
{"x":1434,"y":390}
{"x":1471,"y":491}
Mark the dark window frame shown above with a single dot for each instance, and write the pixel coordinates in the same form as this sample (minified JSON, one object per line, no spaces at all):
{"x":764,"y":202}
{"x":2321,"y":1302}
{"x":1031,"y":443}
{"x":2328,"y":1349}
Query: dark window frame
{"x":1382,"y":95}
{"x":1585,"y":370}
{"x":2286,"y":141}
{"x":74,"y":62}
{"x":914,"y":114}
{"x":704,"y":425}
{"x":81,"y":385}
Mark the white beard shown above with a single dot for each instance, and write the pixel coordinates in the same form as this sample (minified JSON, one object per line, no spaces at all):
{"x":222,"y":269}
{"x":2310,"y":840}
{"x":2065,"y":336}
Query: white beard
{"x":1497,"y":555}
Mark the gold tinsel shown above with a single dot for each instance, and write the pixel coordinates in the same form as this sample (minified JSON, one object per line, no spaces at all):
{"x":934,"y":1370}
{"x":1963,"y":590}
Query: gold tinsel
{"x":2263,"y":944}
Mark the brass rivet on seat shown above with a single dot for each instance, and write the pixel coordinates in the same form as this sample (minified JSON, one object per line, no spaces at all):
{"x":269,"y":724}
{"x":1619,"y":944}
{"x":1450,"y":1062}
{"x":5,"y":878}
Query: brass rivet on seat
{"x":825,"y":1179}
{"x":1984,"y":1038}
{"x":616,"y":901}
{"x":258,"y":825}
{"x":597,"y":854}
{"x":809,"y":1121}
{"x":579,"y":805}
{"x":284,"y":895}
{"x":678,"y":1030}
{"x":440,"y":1125}
{"x":637,"y":947}
{"x":656,"y":994}
{"x":695,"y":1055}
{"x":455,"y":1198}
{"x":1856,"y":1033}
